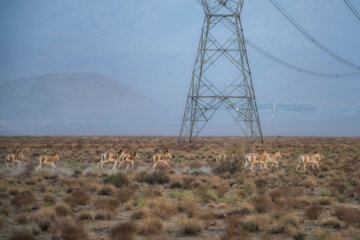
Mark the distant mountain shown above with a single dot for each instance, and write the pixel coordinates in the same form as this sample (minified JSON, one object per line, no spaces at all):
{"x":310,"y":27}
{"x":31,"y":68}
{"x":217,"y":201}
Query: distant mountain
{"x":79,"y":100}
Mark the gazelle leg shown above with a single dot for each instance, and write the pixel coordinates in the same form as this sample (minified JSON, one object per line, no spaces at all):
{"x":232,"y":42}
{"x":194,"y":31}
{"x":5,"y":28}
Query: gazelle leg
{"x":318,"y":165}
{"x":132,"y":164}
{"x":154,"y":166}
{"x":305,"y":166}
{"x":167,"y":164}
{"x":252,"y":167}
{"x":277,"y":164}
{"x":127,"y":167}
{"x":113,"y":168}
{"x":298,"y":167}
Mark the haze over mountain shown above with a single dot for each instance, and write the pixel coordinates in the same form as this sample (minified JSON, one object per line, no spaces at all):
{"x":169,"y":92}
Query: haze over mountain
{"x":62,"y":103}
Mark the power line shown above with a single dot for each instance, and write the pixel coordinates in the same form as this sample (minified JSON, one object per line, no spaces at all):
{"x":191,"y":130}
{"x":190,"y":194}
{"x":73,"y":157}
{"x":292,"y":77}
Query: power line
{"x":293,"y":67}
{"x":312,"y":39}
{"x":353,"y":9}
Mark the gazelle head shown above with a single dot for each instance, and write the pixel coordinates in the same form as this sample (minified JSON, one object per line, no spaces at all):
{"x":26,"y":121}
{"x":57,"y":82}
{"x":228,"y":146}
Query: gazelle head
{"x":317,"y":156}
{"x":20,"y":154}
{"x":277,"y":154}
{"x":56,"y":156}
{"x":168,"y":154}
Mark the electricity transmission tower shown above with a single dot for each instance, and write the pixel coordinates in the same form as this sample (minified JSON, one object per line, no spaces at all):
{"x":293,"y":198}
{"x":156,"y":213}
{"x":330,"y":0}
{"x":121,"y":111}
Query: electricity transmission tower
{"x":221,"y":38}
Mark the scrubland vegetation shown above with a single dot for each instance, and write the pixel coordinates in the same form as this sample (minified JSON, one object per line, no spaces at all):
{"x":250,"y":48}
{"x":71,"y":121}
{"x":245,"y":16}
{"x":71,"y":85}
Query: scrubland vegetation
{"x":195,"y":199}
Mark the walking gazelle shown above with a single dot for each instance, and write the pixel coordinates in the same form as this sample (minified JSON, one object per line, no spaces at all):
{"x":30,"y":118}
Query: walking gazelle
{"x":110,"y":157}
{"x":161,"y":158}
{"x":273,"y":158}
{"x":48,"y":160}
{"x":305,"y":159}
{"x":252,"y":158}
{"x":127,"y":157}
{"x":10,"y":158}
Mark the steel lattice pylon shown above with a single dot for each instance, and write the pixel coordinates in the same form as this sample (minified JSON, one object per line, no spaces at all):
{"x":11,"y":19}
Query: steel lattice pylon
{"x":204,"y":98}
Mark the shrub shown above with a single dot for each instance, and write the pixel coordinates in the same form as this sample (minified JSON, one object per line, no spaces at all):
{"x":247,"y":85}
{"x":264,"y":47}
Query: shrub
{"x":24,"y":198}
{"x":71,"y":230}
{"x":49,"y":199}
{"x":86,"y":216}
{"x":261,"y":203}
{"x":156,"y":178}
{"x":124,"y":195}
{"x":78,"y":197}
{"x":150,"y":226}
{"x":107,"y":190}
{"x":106,"y":204}
{"x":234,"y":230}
{"x":44,"y":218}
{"x":331,"y":222}
{"x":313,"y":212}
{"x":190,"y":226}
{"x":123,"y":231}
{"x":141,"y":214}
{"x":22,"y":236}
{"x":118,"y":179}
{"x":190,"y":207}
{"x":21,"y":218}
{"x":62,"y":210}
{"x":163,"y":208}
{"x":348,"y":214}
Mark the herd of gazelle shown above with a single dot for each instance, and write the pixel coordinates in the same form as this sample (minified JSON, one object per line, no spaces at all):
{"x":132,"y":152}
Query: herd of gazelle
{"x":123,"y":156}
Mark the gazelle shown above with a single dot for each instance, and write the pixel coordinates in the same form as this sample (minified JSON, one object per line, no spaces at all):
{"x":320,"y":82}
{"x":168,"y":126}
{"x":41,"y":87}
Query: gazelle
{"x":161,"y":158}
{"x":273,"y":158}
{"x":48,"y":160}
{"x":221,"y":158}
{"x":305,"y":159}
{"x":252,"y":158}
{"x":127,"y":157}
{"x":109,"y":157}
{"x":10,"y":158}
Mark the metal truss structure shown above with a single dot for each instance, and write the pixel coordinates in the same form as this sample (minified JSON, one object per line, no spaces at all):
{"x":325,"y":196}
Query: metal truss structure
{"x":238,"y":98}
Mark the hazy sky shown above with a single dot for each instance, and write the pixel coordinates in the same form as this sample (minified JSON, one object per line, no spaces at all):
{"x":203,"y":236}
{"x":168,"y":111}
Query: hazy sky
{"x":151,"y":45}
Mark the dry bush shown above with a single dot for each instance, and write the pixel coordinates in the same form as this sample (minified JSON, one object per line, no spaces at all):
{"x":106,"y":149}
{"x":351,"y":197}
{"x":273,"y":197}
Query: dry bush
{"x":313,"y":212}
{"x":86,"y":216}
{"x":156,"y":178}
{"x":331,"y":222}
{"x":191,"y":226}
{"x":118,"y":179}
{"x":163,"y":209}
{"x":24,"y":198}
{"x":287,"y":224}
{"x":187,"y":182}
{"x":123,"y":231}
{"x":22,"y":218}
{"x":124,"y":195}
{"x":324,"y":201}
{"x":261,"y":203}
{"x":141,"y":214}
{"x":44,"y":218}
{"x":234,"y":160}
{"x":222,"y":190}
{"x":62,"y":210}
{"x":107,"y":190}
{"x":234,"y":229}
{"x":78,"y":197}
{"x":175,"y":181}
{"x":190,"y":207}
{"x":275,"y":195}
{"x":254,"y":223}
{"x":48,"y":198}
{"x":69,"y":229}
{"x":22,"y":236}
{"x":106,"y":204}
{"x":13,"y":192}
{"x":348,"y":214}
{"x":150,"y":226}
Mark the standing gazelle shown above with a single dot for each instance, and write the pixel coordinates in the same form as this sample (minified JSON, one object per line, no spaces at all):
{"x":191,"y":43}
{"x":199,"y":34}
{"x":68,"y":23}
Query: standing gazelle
{"x":48,"y":160}
{"x":10,"y":158}
{"x":109,"y":157}
{"x":161,"y":158}
{"x":313,"y":159}
{"x":273,"y":158}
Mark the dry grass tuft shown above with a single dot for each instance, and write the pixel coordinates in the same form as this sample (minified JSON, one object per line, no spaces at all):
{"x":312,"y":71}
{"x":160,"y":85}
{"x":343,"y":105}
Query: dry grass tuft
{"x":71,"y":230}
{"x":190,"y":207}
{"x":163,"y":209}
{"x":191,"y":226}
{"x":62,"y":210}
{"x":78,"y":197}
{"x":106,"y":204}
{"x":261,"y":203}
{"x":107,"y":190}
{"x":123,"y":231}
{"x":44,"y":218}
{"x":124,"y":195}
{"x":348,"y":214}
{"x":50,"y":199}
{"x":150,"y":226}
{"x":24,"y":198}
{"x":313,"y":212}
